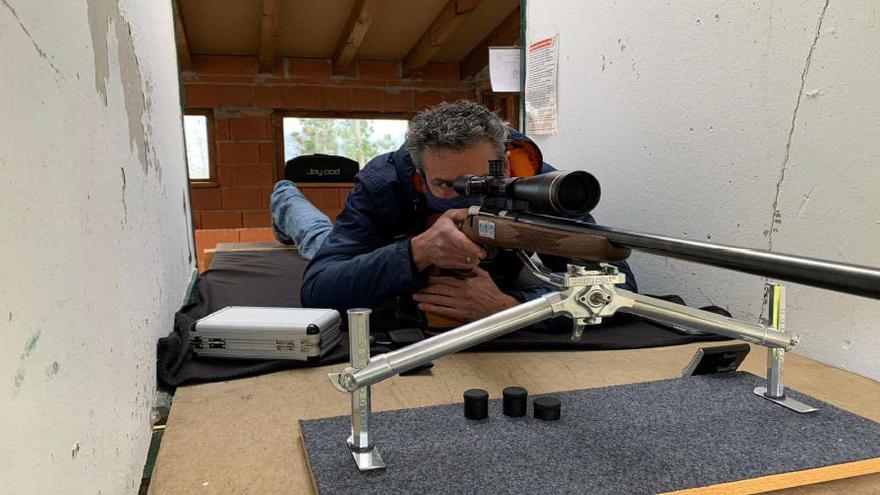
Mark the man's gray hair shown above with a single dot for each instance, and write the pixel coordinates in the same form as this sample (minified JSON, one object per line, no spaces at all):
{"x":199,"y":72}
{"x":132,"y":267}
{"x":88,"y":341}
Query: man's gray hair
{"x":453,"y":126}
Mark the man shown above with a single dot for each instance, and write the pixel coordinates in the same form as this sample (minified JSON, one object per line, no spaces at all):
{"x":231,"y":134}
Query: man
{"x":383,"y":245}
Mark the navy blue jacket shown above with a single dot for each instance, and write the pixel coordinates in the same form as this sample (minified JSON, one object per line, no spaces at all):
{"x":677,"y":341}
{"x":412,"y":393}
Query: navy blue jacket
{"x":366,"y":259}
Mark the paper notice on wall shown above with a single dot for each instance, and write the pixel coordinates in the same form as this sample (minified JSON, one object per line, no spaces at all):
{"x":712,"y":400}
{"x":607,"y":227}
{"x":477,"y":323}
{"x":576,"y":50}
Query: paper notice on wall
{"x":504,"y":69}
{"x":541,"y":80}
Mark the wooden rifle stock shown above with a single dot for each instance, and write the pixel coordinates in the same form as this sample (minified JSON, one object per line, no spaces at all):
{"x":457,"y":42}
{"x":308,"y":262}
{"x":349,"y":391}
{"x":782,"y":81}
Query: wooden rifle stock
{"x":508,"y":233}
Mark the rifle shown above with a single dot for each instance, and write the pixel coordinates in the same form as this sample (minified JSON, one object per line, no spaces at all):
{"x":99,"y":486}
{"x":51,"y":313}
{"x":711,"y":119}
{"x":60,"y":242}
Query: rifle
{"x":504,"y":221}
{"x":586,"y":291}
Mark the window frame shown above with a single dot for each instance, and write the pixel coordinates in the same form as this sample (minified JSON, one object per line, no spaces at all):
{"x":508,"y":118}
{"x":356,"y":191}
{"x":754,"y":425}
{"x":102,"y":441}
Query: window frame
{"x":211,"y":181}
{"x":280,"y":115}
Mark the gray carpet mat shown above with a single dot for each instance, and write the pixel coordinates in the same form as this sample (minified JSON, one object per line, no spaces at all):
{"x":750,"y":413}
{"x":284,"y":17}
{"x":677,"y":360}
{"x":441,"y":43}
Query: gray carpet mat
{"x":639,"y":438}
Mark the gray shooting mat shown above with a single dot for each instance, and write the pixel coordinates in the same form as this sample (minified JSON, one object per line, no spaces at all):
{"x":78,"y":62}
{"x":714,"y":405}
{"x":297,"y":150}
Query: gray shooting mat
{"x":640,"y":438}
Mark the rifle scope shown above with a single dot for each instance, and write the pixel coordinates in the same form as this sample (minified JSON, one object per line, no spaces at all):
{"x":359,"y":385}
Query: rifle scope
{"x":571,"y":193}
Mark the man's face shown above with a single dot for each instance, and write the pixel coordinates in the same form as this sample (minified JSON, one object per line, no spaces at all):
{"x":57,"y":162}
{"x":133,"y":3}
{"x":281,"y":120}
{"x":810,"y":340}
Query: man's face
{"x":443,"y":166}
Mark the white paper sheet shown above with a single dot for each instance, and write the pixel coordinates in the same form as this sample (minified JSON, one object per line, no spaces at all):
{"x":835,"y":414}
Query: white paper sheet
{"x":504,"y":69}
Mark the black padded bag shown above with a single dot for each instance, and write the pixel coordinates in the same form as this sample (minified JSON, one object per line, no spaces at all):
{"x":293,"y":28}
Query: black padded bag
{"x":320,"y":168}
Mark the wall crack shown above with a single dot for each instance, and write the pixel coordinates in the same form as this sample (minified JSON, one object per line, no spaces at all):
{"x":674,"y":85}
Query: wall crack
{"x":775,"y":218}
{"x":39,"y":50}
{"x":124,"y":205}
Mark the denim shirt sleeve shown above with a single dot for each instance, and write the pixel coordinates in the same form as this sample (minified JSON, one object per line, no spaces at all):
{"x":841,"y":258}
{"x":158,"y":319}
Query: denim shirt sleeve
{"x":360,"y":264}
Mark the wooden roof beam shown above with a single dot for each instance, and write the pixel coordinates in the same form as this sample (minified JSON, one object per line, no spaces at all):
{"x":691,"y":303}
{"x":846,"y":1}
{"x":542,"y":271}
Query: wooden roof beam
{"x":269,"y":33}
{"x":438,"y":33}
{"x":506,"y":33}
{"x":359,"y":20}
{"x":184,"y":59}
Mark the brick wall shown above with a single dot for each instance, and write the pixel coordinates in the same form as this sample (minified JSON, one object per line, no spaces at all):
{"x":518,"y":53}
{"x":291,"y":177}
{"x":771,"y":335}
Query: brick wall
{"x":247,"y":108}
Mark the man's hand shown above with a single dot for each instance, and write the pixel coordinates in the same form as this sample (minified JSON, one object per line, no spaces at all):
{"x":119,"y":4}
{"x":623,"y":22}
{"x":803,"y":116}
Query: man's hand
{"x":445,"y":246}
{"x":463,"y":299}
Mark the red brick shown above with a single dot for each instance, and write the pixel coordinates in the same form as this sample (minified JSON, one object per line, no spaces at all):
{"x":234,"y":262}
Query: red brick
{"x":335,"y":99}
{"x":224,"y":64}
{"x":201,"y":95}
{"x":288,"y":97}
{"x":209,"y":238}
{"x":236,"y":96}
{"x":397,"y":102}
{"x":368,"y":100}
{"x":238,"y":153}
{"x":253,"y":175}
{"x":343,"y":194}
{"x":302,"y":98}
{"x":260,"y":218}
{"x":278,"y":68}
{"x":221,"y":219}
{"x":224,"y":176}
{"x":426,"y":99}
{"x":259,"y":234}
{"x":246,"y":198}
{"x":440,"y":72}
{"x":266,"y":197}
{"x":309,"y":67}
{"x":205,"y":198}
{"x":240,"y":79}
{"x":373,"y":70}
{"x":350,"y":72}
{"x":322,"y":197}
{"x":221,"y":129}
{"x":249,"y":128}
{"x":269,"y":96}
{"x":428,"y":85}
{"x":267,"y":153}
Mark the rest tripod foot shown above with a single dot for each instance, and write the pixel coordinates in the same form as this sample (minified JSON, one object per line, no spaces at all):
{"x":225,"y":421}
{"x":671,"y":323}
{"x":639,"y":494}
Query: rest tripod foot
{"x":366,"y":460}
{"x":795,"y":405}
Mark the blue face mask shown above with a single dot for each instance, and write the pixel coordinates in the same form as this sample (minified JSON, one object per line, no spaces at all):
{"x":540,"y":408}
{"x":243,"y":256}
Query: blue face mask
{"x":440,"y":205}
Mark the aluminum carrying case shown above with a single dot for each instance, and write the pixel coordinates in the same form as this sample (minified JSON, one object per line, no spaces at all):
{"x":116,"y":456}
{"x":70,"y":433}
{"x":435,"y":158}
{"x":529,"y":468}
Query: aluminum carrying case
{"x":242,"y":332}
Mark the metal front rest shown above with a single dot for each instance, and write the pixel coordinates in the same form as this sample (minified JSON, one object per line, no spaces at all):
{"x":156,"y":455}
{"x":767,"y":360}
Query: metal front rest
{"x":775,"y":389}
{"x":365,"y":454}
{"x":585,"y":296}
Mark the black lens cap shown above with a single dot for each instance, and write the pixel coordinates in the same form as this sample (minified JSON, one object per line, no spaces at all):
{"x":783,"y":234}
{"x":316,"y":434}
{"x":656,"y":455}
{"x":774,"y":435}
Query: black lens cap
{"x":547,"y":408}
{"x":476,"y":404}
{"x":515,"y":402}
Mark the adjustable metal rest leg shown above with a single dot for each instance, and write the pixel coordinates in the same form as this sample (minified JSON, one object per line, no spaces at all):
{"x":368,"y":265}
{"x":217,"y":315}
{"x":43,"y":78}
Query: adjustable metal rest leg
{"x":775,"y":389}
{"x":365,"y":454}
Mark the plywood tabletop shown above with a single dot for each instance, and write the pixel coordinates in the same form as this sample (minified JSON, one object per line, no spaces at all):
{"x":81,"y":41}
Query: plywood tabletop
{"x":242,"y":436}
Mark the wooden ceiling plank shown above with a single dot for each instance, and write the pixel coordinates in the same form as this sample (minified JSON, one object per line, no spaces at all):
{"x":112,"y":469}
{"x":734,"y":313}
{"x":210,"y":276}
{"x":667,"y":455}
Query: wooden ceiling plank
{"x":443,"y":27}
{"x":269,"y":33}
{"x":184,"y":58}
{"x":506,"y":33}
{"x":363,"y":12}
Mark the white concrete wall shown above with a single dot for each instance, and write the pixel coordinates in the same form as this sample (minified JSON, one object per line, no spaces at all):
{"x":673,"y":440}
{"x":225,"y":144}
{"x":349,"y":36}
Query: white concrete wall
{"x":708,"y":119}
{"x":95,"y":253}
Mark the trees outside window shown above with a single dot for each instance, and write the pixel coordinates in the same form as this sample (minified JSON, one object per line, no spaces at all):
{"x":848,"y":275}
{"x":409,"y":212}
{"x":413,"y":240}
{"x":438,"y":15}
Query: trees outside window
{"x":358,"y":139}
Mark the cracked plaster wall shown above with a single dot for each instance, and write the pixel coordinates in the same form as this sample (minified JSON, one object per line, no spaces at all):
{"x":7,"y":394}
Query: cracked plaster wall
{"x":96,"y":251}
{"x":747,"y":123}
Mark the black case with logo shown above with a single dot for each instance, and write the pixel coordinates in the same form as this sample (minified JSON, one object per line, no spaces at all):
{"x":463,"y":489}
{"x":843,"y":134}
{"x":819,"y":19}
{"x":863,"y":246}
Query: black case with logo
{"x":320,"y":168}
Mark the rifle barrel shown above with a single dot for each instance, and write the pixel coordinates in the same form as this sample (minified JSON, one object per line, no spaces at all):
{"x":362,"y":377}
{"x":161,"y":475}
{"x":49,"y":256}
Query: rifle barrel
{"x":841,"y":277}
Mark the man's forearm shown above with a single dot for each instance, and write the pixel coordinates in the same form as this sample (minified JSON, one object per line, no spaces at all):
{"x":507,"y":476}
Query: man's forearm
{"x":342,"y":280}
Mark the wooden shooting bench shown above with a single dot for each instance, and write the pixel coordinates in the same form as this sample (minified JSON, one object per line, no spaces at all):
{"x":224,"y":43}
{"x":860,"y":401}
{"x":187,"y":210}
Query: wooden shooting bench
{"x":242,"y":436}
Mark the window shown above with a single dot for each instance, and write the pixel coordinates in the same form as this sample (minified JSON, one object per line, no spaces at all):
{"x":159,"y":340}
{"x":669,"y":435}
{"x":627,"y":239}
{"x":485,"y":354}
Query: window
{"x":358,"y":139}
{"x":197,"y":133}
